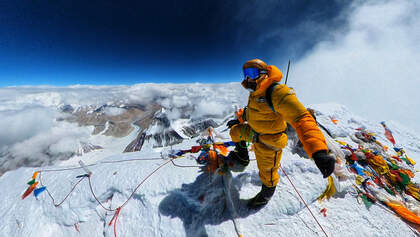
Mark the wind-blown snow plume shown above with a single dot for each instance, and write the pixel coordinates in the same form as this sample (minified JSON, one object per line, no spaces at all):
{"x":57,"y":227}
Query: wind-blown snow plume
{"x":370,"y":64}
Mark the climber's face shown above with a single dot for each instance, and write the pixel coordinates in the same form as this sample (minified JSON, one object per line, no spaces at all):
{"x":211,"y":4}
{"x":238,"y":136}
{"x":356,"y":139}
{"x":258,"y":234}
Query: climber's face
{"x":251,"y":76}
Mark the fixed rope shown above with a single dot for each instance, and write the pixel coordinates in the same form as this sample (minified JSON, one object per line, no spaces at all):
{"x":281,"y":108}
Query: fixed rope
{"x":52,"y":198}
{"x":88,"y":176}
{"x":185,"y":166}
{"x":98,"y":163}
{"x":118,"y":209}
{"x":320,"y":226}
{"x":82,"y":177}
{"x":227,"y":180}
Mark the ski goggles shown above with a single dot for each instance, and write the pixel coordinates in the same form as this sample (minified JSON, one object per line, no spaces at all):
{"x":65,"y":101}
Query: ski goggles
{"x":253,"y":72}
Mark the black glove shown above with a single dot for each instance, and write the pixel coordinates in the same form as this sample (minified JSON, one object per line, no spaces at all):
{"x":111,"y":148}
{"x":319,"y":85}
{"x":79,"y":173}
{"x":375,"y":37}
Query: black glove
{"x":324,"y":162}
{"x":232,"y":122}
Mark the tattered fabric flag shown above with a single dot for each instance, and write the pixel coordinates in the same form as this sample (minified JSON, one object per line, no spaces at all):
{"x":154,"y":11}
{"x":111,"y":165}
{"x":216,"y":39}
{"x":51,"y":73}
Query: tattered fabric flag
{"x":377,"y":163}
{"x":341,"y":143}
{"x":35,"y":174}
{"x":39,"y":191}
{"x":329,"y":191}
{"x":29,"y":190}
{"x":408,"y":172}
{"x":366,"y":201}
{"x":404,"y":212}
{"x":388,"y":133}
{"x":230,"y":143}
{"x":405,"y":178}
{"x":394,"y":176}
{"x":353,"y":156}
{"x":222,"y":149}
{"x":195,"y":149}
{"x":358,"y":169}
{"x":392,"y":166}
{"x":335,"y":121}
{"x":31,"y":182}
{"x":359,"y":179}
{"x":389,"y":190}
{"x":324,"y":211}
{"x":202,"y":158}
{"x":397,"y":149}
{"x":414,"y":191}
{"x":396,"y":158}
{"x":370,"y":197}
{"x":412,"y":162}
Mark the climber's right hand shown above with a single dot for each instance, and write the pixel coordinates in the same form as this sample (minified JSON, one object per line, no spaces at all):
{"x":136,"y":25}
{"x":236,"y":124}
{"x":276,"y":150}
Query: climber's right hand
{"x":324,"y":162}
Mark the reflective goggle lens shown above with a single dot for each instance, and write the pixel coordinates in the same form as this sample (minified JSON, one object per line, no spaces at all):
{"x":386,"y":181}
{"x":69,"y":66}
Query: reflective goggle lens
{"x":252,"y":73}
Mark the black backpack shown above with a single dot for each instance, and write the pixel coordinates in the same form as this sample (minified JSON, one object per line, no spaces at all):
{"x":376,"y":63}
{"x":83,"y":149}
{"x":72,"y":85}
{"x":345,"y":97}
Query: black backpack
{"x":269,"y":102}
{"x":268,"y":94}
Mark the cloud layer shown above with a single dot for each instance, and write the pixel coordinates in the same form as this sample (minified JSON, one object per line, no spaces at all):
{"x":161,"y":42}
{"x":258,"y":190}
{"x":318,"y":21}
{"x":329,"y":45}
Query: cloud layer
{"x":371,"y":64}
{"x":31,"y":135}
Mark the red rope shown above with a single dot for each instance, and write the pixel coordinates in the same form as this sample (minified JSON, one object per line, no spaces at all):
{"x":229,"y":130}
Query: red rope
{"x":144,"y":180}
{"x":118,"y":209}
{"x":102,"y":162}
{"x":68,"y":194}
{"x":115,"y":217}
{"x":303,"y":201}
{"x":96,"y":198}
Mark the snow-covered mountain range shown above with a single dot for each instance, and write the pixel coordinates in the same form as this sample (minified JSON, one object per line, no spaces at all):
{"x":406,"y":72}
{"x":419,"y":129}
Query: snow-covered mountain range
{"x":41,"y":125}
{"x":120,"y":134}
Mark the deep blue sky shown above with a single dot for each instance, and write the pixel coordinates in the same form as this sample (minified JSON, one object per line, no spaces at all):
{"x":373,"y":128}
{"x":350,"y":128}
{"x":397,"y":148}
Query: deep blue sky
{"x":59,"y":42}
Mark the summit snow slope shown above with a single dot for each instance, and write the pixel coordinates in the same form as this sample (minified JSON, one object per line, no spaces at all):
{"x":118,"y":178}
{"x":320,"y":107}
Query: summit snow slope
{"x":182,"y":201}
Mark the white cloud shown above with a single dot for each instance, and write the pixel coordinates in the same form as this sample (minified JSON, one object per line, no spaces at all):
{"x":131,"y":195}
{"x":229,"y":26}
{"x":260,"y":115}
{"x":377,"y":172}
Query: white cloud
{"x":17,"y":126}
{"x":205,"y":107}
{"x":371,"y":65}
{"x":31,"y":136}
{"x":56,"y":142}
{"x":173,"y":114}
{"x":113,"y":111}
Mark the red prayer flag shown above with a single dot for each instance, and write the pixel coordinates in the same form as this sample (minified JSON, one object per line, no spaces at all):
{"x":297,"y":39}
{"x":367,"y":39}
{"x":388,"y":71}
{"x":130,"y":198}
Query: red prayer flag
{"x":388,"y":133}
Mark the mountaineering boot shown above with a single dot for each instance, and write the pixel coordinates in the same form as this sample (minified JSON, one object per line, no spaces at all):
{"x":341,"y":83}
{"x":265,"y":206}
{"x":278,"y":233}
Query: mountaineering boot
{"x":239,"y":156}
{"x":262,"y":198}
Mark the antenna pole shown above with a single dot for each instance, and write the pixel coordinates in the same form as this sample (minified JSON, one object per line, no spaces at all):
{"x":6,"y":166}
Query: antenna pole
{"x":287,"y":73}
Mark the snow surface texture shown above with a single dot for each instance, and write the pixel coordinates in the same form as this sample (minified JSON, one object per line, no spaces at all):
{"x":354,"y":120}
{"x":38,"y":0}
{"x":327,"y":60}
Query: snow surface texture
{"x":177,"y":201}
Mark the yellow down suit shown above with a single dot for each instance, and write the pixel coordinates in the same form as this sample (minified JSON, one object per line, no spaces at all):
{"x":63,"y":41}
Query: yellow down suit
{"x":268,"y":126}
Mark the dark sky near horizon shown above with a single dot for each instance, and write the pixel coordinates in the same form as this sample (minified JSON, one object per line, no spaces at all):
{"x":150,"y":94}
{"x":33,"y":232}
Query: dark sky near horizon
{"x":59,"y":42}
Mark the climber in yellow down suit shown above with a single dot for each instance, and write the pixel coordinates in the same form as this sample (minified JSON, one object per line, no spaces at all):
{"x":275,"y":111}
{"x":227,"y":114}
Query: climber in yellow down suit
{"x":264,"y":122}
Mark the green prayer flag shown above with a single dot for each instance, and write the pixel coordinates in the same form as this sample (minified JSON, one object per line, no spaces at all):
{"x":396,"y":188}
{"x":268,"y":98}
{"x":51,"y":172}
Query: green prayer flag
{"x":366,"y":201}
{"x":31,"y":182}
{"x":405,"y":178}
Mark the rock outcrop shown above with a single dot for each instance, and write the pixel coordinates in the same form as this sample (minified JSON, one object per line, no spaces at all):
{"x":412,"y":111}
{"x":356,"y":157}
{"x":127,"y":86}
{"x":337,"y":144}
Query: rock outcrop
{"x":110,"y":120}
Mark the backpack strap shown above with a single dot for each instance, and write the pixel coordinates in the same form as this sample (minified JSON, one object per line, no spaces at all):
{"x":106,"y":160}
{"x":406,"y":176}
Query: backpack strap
{"x":268,"y":94}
